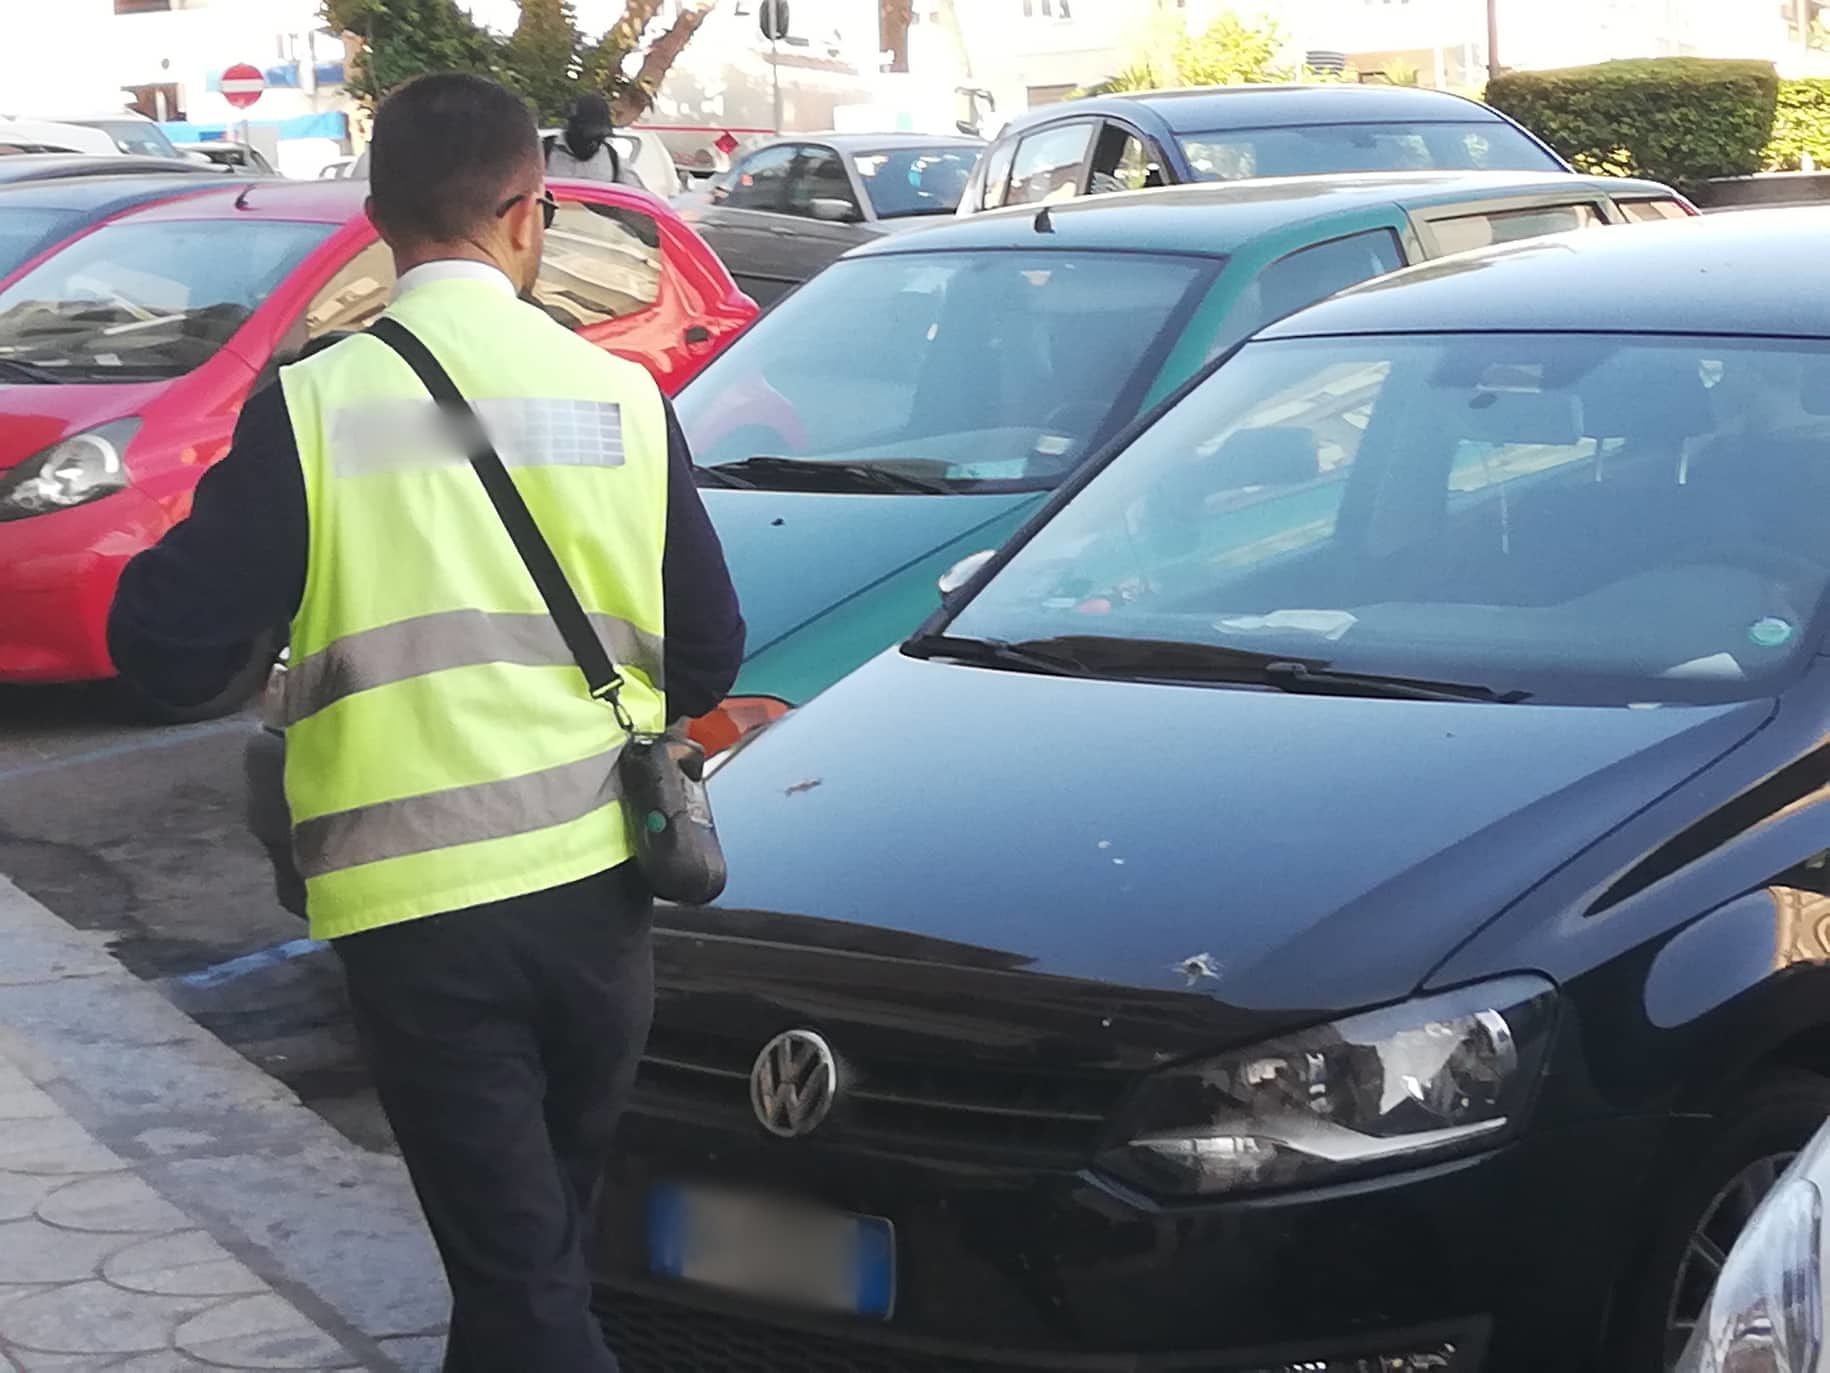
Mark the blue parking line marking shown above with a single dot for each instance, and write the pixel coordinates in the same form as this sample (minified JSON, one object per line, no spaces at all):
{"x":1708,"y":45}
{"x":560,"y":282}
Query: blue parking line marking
{"x":169,"y":740}
{"x":228,"y":971}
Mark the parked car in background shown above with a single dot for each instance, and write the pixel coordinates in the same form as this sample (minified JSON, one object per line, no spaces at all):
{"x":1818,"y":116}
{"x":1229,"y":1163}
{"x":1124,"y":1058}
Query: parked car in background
{"x":39,"y":213}
{"x":1229,"y":133}
{"x":130,"y":133}
{"x":235,"y":157}
{"x":1346,"y":888}
{"x":22,"y":167}
{"x":46,"y":136}
{"x":126,"y":354}
{"x":916,"y":401}
{"x":794,"y":205}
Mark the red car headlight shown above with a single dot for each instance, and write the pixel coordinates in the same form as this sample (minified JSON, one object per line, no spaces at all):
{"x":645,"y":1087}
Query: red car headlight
{"x":74,"y":471}
{"x":733,"y":718}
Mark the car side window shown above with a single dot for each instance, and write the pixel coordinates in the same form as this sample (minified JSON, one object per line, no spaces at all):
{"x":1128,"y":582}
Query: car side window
{"x":1305,"y":276}
{"x":1122,"y":162}
{"x":1464,"y":232}
{"x":354,"y":295}
{"x":1650,"y":211}
{"x":997,"y":174}
{"x":1048,"y":164}
{"x":760,"y":183}
{"x":817,"y":174}
{"x":602,"y":262}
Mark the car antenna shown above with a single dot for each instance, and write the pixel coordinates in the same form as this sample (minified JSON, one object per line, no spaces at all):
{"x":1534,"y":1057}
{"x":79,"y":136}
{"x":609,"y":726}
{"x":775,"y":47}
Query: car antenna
{"x":1045,"y":223}
{"x":241,"y":201}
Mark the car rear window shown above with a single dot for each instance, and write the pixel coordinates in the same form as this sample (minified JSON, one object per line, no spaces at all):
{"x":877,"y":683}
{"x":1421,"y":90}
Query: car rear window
{"x":1311,"y":150}
{"x":144,"y":301}
{"x":24,"y":232}
{"x":916,"y":181}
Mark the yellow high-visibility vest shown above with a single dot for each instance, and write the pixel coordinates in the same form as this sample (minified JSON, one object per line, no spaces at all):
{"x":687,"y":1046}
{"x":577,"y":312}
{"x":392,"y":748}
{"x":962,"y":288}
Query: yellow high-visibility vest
{"x":442,"y":749}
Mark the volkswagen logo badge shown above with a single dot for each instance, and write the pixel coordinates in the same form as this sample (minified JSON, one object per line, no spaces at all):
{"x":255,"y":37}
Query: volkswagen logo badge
{"x":793,"y":1082}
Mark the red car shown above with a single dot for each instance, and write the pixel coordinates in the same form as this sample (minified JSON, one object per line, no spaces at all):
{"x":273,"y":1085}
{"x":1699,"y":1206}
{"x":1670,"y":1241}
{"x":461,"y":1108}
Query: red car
{"x":126,"y":353}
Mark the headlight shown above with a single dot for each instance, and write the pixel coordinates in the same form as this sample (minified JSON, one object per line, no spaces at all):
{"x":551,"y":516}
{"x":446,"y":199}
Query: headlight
{"x":80,"y":469}
{"x":1766,"y":1314}
{"x":1388,"y":1088}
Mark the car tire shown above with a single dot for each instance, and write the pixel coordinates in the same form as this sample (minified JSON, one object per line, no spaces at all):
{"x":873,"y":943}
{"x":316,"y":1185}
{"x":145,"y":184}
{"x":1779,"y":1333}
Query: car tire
{"x":1755,"y":1137}
{"x":242,"y":688}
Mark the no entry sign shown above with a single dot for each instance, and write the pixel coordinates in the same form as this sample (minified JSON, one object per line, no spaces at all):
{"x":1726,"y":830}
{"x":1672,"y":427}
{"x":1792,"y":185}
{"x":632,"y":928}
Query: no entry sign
{"x":242,"y":85}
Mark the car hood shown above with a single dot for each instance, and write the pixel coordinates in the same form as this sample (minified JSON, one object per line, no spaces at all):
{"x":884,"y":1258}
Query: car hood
{"x":32,"y":418}
{"x":1304,"y":854}
{"x":796,"y":554}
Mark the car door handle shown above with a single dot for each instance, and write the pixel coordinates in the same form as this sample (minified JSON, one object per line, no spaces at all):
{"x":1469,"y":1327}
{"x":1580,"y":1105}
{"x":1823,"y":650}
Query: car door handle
{"x":698,"y":334}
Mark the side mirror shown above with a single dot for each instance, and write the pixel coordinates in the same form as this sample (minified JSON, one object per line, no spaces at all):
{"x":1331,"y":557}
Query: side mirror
{"x":832,"y":210}
{"x":963,"y":571}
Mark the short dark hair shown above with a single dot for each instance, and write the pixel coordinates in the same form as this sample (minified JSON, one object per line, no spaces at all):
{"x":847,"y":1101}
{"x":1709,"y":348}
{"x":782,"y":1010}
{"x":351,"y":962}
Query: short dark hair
{"x":445,"y":151}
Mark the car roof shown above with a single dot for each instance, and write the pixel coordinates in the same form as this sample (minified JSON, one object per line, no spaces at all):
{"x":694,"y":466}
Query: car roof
{"x":1749,"y":272}
{"x":1218,"y":218}
{"x":29,"y":167}
{"x":1205,"y":109}
{"x":327,"y":202}
{"x":101,"y":195}
{"x":874,"y":142}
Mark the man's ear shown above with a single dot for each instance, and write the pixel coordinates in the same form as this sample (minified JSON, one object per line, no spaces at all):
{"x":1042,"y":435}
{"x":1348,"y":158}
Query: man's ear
{"x":522,"y":224}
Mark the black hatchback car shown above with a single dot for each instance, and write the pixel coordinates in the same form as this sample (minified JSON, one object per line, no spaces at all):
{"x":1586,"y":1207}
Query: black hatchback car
{"x":1346,"y":888}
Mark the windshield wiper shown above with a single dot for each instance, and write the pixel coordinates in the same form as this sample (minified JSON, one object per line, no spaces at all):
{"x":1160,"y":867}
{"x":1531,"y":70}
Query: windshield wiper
{"x":11,"y":369}
{"x":1174,"y":660}
{"x":1325,"y":681}
{"x":712,"y":476}
{"x":813,"y":474}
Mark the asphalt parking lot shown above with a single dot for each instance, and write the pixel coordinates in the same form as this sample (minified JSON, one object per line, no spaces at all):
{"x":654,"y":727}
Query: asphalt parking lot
{"x":137,"y":831}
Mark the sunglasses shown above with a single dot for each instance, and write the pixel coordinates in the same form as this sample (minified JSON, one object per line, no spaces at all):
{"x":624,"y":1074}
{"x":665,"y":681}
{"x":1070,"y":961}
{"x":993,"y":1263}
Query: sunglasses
{"x":548,"y":206}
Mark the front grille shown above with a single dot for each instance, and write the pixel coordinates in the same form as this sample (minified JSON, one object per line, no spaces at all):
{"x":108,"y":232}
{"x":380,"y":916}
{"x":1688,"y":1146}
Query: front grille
{"x":653,"y":1336}
{"x":943,"y":1107}
{"x":650,"y":1336}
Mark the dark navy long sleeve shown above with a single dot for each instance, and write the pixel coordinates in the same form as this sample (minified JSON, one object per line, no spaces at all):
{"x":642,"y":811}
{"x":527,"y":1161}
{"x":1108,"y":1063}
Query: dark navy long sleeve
{"x":189,"y":610}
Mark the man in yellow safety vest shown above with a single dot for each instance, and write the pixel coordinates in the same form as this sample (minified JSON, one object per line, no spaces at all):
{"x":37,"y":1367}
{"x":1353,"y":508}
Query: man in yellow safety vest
{"x":451,"y":779}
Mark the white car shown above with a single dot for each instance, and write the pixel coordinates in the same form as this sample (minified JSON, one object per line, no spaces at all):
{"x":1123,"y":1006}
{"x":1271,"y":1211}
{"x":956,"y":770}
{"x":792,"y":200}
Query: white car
{"x":1767,"y":1312}
{"x":48,"y":136}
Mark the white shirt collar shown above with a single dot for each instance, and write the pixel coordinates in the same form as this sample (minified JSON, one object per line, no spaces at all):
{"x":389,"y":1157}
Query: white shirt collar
{"x":453,"y":269}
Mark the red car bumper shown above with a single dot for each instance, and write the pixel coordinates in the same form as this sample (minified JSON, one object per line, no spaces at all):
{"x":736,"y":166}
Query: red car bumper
{"x":57,"y":577}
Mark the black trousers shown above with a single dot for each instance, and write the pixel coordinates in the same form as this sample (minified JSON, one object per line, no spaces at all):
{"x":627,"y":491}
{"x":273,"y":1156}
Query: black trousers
{"x":503,"y":1041}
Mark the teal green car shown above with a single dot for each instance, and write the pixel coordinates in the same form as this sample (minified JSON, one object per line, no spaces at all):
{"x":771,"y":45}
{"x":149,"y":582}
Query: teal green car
{"x":913,"y":404}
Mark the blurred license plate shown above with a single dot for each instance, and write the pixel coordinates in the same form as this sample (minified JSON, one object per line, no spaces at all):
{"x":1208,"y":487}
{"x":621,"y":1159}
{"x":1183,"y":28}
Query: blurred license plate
{"x":778,"y":1250}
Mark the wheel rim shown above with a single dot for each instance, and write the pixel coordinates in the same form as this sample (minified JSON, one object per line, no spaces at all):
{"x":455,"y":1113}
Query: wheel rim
{"x":1706,"y":1251}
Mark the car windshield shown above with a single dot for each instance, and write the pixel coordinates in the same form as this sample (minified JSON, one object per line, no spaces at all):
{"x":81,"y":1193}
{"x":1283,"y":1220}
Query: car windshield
{"x":134,"y":136}
{"x":147,"y":300}
{"x":23,"y":232}
{"x":916,"y":181}
{"x":968,"y":370}
{"x":1308,"y":150}
{"x":1583,"y":518}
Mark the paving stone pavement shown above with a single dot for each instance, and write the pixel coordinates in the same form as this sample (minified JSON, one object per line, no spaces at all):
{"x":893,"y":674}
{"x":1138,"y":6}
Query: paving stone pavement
{"x":166,"y":1207}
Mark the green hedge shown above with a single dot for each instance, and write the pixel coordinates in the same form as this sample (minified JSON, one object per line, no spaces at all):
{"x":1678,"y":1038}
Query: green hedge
{"x":1803,"y":126}
{"x":1679,"y":120}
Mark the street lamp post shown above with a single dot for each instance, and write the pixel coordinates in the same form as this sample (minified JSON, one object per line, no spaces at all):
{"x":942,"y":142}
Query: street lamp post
{"x":1493,"y":39}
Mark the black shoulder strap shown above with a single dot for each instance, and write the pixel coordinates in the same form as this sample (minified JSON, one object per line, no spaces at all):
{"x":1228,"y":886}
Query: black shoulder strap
{"x":555,"y":590}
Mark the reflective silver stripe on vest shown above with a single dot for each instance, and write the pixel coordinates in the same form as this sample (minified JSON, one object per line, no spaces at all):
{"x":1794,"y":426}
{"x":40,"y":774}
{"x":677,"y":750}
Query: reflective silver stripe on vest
{"x":461,"y":815}
{"x":453,"y":638}
{"x":402,"y":433}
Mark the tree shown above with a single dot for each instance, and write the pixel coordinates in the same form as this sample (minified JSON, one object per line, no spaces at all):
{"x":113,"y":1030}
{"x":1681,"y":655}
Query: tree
{"x":602,"y":69}
{"x":543,"y":57}
{"x":638,"y":93}
{"x":893,"y":20}
{"x":546,"y":58}
{"x":401,"y":39}
{"x":1229,"y":52}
